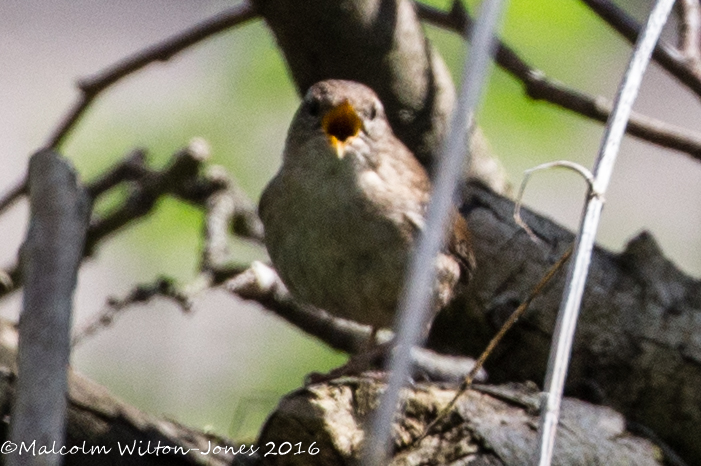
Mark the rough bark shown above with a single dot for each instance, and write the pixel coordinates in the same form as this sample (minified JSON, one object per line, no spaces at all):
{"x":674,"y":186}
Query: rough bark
{"x":494,"y":426}
{"x":637,"y":347}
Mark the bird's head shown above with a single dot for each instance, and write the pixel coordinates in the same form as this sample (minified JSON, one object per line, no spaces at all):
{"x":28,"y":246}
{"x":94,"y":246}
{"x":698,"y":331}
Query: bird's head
{"x":342,"y":115}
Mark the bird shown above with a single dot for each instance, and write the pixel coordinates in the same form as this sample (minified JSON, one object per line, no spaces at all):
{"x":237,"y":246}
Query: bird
{"x":346,"y":208}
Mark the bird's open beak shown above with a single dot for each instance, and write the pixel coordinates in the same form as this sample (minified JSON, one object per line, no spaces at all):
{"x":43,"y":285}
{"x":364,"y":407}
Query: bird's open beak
{"x":341,"y":124}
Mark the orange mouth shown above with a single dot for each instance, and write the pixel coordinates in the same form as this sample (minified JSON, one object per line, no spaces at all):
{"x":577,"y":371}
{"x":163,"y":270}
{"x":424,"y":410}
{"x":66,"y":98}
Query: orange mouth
{"x":341,"y":124}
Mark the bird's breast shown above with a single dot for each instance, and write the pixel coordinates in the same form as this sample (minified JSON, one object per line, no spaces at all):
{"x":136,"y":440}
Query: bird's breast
{"x":335,"y":245}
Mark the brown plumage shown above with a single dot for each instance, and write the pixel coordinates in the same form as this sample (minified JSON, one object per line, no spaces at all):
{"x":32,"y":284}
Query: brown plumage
{"x":343,"y":213}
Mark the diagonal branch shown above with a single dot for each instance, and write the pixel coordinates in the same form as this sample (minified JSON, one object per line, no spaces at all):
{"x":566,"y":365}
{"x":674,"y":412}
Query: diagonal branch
{"x":261,"y":284}
{"x":665,"y":54}
{"x":12,"y":194}
{"x":540,"y":87}
{"x":92,"y":86}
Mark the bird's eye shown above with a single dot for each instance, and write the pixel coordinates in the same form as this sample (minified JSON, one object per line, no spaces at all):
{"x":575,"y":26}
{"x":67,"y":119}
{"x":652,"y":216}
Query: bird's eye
{"x":373,"y":112}
{"x":313,"y":107}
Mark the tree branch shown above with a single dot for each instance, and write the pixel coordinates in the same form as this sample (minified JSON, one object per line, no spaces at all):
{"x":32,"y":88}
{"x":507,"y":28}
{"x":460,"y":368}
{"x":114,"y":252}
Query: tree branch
{"x":539,"y":87}
{"x":92,"y":86}
{"x":51,"y":254}
{"x":180,"y":178}
{"x":163,"y":287}
{"x":636,"y":346}
{"x":490,"y":425}
{"x":12,"y":194}
{"x":666,"y":55}
{"x":261,"y":284}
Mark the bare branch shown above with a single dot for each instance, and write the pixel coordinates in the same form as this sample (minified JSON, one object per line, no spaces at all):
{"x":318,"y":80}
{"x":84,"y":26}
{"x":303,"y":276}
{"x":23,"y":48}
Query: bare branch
{"x":148,"y":186}
{"x":568,"y":314}
{"x":261,"y":284}
{"x":162,"y":287}
{"x":60,"y":209}
{"x":491,"y":425}
{"x":639,"y":309}
{"x":12,"y":194}
{"x":540,"y":87}
{"x":130,"y":168}
{"x":92,"y":86}
{"x":666,"y":55}
{"x":182,"y":179}
{"x":226,"y":209}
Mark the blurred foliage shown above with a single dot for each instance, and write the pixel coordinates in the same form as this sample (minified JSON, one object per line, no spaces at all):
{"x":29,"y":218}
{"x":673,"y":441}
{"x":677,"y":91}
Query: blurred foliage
{"x":234,"y":91}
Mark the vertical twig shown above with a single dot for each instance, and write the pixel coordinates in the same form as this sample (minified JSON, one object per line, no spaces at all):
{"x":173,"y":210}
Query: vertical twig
{"x":577,"y":272}
{"x":51,"y":254}
{"x":417,"y":295}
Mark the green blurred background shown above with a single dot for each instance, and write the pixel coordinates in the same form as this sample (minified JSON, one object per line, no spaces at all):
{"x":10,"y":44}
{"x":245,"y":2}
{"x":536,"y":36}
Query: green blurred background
{"x":225,"y":365}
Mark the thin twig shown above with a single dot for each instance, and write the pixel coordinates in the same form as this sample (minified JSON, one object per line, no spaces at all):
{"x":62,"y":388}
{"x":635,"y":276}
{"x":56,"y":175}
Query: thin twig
{"x":225,"y":210}
{"x":665,"y":54}
{"x":220,"y":209}
{"x":130,"y":168}
{"x":181,"y":179}
{"x":415,"y":301}
{"x":92,"y":86}
{"x":467,"y":383}
{"x":579,"y":267}
{"x":540,"y":87}
{"x":162,"y":287}
{"x":152,"y":184}
{"x":12,"y":194}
